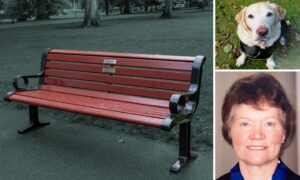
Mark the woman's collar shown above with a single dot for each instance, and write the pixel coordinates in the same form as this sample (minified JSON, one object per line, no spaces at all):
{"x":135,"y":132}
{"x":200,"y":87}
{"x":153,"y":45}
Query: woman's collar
{"x":279,"y":174}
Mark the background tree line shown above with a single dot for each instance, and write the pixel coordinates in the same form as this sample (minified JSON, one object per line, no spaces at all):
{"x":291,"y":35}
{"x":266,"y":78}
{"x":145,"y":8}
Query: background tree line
{"x":43,"y":9}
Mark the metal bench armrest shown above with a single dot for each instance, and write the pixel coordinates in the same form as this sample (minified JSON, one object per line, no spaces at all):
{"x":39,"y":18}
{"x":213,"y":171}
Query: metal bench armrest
{"x":183,"y":105}
{"x":183,"y":102}
{"x":25,"y":81}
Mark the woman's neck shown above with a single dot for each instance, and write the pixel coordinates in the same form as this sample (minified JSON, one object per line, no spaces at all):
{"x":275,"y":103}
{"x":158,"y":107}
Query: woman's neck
{"x":258,"y":172}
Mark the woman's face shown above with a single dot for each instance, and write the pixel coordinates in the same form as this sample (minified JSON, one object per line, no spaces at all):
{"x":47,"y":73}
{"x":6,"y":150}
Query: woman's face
{"x":257,"y":134}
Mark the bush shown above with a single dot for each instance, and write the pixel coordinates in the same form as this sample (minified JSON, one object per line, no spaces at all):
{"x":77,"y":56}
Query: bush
{"x":24,"y":9}
{"x":19,"y":9}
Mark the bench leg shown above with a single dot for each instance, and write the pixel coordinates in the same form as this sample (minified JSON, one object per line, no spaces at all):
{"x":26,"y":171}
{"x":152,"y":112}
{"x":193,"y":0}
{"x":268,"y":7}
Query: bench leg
{"x":185,"y":154}
{"x":34,"y":122}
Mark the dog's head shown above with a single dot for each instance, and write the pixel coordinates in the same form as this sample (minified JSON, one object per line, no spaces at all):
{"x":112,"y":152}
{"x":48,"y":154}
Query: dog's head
{"x":259,"y":19}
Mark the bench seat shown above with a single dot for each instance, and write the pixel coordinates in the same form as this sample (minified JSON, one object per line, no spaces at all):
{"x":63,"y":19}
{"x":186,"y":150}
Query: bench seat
{"x":145,"y":111}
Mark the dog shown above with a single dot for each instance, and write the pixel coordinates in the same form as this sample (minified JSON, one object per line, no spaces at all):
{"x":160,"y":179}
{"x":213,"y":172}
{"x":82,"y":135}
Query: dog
{"x":261,"y":28}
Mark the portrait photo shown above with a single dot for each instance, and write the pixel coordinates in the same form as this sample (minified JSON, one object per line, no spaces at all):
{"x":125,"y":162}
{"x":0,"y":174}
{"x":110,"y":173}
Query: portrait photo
{"x":257,"y":125}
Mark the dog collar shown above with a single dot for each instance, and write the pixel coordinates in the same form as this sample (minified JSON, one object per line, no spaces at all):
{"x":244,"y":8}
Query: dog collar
{"x":255,"y":52}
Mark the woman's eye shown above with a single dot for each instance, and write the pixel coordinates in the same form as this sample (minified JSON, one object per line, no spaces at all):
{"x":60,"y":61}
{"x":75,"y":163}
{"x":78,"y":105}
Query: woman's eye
{"x":244,"y":124}
{"x":269,"y":14}
{"x":270,"y":124}
{"x":250,"y":16}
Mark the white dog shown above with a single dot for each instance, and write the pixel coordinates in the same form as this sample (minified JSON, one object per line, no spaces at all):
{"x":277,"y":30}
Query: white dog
{"x":260,"y":30}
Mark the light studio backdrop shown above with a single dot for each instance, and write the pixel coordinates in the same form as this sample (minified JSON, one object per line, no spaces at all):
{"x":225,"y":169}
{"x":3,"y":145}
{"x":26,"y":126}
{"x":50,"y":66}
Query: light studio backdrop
{"x":225,"y":158}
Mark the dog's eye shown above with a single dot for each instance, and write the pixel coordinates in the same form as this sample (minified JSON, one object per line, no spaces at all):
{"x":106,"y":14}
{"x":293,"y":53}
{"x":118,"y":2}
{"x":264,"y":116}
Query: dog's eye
{"x":269,"y":14}
{"x":250,"y":16}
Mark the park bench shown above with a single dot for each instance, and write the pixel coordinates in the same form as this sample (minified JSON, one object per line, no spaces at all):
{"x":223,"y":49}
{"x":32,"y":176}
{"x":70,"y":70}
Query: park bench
{"x":152,"y":90}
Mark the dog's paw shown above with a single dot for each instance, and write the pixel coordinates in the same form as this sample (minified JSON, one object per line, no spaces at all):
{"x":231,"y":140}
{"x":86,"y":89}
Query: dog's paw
{"x":270,"y":64}
{"x":241,"y":60}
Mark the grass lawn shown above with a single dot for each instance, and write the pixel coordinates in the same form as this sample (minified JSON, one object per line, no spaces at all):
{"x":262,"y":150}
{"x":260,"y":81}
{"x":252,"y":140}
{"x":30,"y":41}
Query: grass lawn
{"x":227,"y":42}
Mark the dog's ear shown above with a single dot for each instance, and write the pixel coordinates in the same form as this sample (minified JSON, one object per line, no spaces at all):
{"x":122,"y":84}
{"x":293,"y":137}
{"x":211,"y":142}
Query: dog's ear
{"x":240,"y":19}
{"x":280,"y":12}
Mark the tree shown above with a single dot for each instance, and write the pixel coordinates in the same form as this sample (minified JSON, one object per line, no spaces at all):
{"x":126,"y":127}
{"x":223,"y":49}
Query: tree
{"x":41,"y":6}
{"x":1,"y":3}
{"x":167,"y":12}
{"x":92,"y":14}
{"x":40,"y":9}
{"x":127,"y":7}
{"x":19,"y":9}
{"x":106,"y":7}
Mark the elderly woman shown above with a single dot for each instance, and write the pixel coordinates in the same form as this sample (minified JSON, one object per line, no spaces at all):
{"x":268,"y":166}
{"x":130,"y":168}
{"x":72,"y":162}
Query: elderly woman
{"x":258,"y":121}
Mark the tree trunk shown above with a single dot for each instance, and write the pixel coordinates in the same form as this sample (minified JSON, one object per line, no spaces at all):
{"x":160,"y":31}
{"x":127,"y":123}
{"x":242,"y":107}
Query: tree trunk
{"x":188,"y":2}
{"x":127,"y":7}
{"x":106,"y":7}
{"x":146,"y":5}
{"x":42,"y":13}
{"x":92,"y":14}
{"x":167,"y":13}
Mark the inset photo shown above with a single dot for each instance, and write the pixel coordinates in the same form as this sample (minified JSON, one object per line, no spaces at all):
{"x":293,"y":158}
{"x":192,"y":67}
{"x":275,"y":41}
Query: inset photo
{"x":252,"y":34}
{"x":257,"y":125}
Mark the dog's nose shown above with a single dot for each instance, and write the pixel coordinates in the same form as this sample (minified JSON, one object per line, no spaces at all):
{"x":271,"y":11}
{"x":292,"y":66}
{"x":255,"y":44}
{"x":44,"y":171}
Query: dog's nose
{"x":262,"y":31}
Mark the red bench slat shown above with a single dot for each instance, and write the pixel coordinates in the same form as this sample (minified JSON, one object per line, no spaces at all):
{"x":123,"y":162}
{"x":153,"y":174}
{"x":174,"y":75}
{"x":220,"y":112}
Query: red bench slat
{"x":133,"y":81}
{"x":119,"y":106}
{"x":127,"y":55}
{"x":150,"y":73}
{"x":105,"y":95}
{"x":137,"y":119}
{"x":175,"y":65}
{"x":110,"y":88}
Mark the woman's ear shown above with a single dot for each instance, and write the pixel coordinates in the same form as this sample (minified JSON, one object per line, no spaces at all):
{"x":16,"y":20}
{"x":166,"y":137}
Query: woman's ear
{"x":283,"y":139}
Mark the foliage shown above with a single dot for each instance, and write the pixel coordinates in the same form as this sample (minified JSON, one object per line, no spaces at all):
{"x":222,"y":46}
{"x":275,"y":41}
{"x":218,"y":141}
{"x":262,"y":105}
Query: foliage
{"x":226,"y":33}
{"x":122,"y":3}
{"x":54,"y":6}
{"x":20,"y":9}
{"x":23,"y":9}
{"x":1,"y":3}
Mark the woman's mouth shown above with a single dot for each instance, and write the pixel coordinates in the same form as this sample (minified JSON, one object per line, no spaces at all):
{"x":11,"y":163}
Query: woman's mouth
{"x":257,"y":148}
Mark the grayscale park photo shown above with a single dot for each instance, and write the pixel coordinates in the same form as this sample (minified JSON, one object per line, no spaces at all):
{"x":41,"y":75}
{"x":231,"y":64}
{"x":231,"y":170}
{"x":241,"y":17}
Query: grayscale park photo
{"x":106,"y":89}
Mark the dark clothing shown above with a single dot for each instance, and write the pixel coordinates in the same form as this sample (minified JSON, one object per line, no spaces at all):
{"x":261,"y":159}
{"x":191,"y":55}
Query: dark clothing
{"x":255,"y":52}
{"x":282,"y":172}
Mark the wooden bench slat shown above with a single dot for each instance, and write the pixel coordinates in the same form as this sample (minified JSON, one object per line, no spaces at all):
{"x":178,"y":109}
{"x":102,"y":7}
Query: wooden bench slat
{"x":160,"y":64}
{"x":127,"y":55}
{"x":110,"y":96}
{"x":154,"y":93}
{"x":132,"y":81}
{"x":148,"y":73}
{"x":118,"y":106}
{"x":137,"y":119}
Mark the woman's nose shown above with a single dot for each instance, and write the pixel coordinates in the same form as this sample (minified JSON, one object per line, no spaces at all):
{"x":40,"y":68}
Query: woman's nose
{"x":257,"y":133}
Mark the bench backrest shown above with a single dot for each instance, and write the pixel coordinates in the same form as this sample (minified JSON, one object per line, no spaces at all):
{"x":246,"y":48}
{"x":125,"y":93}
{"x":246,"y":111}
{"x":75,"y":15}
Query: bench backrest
{"x":154,"y":76}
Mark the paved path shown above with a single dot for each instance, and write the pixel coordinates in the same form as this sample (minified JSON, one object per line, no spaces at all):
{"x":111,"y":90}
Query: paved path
{"x":66,"y":150}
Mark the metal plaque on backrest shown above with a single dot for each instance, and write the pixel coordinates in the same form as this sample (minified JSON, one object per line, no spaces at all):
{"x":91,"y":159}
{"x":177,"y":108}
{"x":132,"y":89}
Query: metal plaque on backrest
{"x":109,"y":61}
{"x":109,"y":70}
